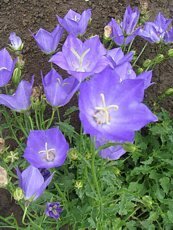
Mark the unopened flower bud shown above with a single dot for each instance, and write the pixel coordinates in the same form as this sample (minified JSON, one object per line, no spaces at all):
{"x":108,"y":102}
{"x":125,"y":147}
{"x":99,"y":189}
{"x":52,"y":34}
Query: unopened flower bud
{"x":2,"y":144}
{"x":73,"y":153}
{"x":144,"y":5}
{"x":36,"y":93}
{"x":170,"y":52}
{"x":88,"y":156}
{"x":16,"y":76}
{"x":12,"y":157}
{"x":18,"y":194}
{"x":129,"y":147}
{"x":140,"y":70}
{"x":78,"y":184}
{"x":147,"y":63}
{"x":169,"y":92}
{"x":116,"y":171}
{"x":3,"y":177}
{"x":107,"y":31}
{"x":16,"y":42}
{"x":159,"y":58}
{"x":147,"y":201}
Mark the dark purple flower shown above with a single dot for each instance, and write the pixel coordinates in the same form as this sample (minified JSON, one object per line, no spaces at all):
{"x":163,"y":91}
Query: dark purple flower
{"x":157,"y":31}
{"x":45,"y":173}
{"x":16,"y":42}
{"x":46,"y":148}
{"x":58,"y":91}
{"x":53,"y":210}
{"x":126,"y":31}
{"x":32,"y":182}
{"x":75,"y":23}
{"x":20,"y":100}
{"x":48,"y":41}
{"x":112,"y":109}
{"x":81,"y":59}
{"x":6,"y":67}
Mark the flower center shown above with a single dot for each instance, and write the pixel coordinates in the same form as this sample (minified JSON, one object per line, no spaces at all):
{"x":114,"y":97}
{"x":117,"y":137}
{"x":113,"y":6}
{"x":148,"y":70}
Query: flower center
{"x":80,"y":58}
{"x":49,"y":154}
{"x":102,"y":115}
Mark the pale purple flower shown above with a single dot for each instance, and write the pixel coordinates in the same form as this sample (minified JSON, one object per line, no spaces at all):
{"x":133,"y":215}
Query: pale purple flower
{"x":113,"y":109}
{"x":32,"y":182}
{"x":16,"y":42}
{"x":53,"y":210}
{"x":75,"y":23}
{"x":20,"y":100}
{"x":157,"y":31}
{"x":126,"y":31}
{"x":6,"y":67}
{"x":81,"y":59}
{"x":58,"y":91}
{"x":46,"y":148}
{"x":48,"y":41}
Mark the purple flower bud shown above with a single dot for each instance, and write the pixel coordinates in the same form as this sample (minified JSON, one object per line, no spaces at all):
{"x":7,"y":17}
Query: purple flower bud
{"x":48,"y":41}
{"x":46,"y":148}
{"x":20,"y":100}
{"x":58,"y":91}
{"x":6,"y":67}
{"x":75,"y":23}
{"x":45,"y":173}
{"x":32,"y":182}
{"x":53,"y":210}
{"x":16,"y":42}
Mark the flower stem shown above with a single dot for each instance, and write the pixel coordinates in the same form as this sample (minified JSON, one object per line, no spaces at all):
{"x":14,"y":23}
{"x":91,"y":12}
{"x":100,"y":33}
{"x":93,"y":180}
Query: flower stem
{"x":24,"y":215}
{"x":143,"y":49}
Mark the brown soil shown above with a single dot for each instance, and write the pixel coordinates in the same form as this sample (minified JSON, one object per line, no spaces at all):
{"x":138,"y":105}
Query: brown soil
{"x":22,"y":15}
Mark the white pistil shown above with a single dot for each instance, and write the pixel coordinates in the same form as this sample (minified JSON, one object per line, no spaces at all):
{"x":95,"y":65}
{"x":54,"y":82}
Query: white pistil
{"x":49,"y":153}
{"x":102,"y":115}
{"x":80,"y":58}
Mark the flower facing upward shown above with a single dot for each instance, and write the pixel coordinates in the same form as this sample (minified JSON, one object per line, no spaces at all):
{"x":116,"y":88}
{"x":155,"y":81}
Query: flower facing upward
{"x":48,"y":41}
{"x":58,"y":91}
{"x":32,"y":182}
{"x":20,"y":100}
{"x":53,"y":210}
{"x":6,"y":67}
{"x":113,"y":109}
{"x":46,"y":148}
{"x":81,"y":59}
{"x":75,"y":23}
{"x":16,"y":42}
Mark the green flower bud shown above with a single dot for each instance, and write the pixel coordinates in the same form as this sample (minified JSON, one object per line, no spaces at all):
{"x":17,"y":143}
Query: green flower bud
{"x":129,"y":147}
{"x":170,"y":52}
{"x":147,"y":63}
{"x":73,"y":153}
{"x":147,"y":201}
{"x":78,"y":184}
{"x":2,"y":144}
{"x":169,"y":92}
{"x":116,"y":171}
{"x":16,"y":76}
{"x":140,"y":70}
{"x":159,"y":58}
{"x":3,"y":177}
{"x":18,"y":194}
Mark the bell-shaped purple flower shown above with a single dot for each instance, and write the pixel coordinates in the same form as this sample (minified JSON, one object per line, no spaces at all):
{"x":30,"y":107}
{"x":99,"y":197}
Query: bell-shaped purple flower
{"x":75,"y":23}
{"x":16,"y":42}
{"x":48,"y":41}
{"x":58,"y":91}
{"x":53,"y":210}
{"x":32,"y":182}
{"x":81,"y":59}
{"x":46,"y":148}
{"x":113,"y":109}
{"x":20,"y":100}
{"x":6,"y":67}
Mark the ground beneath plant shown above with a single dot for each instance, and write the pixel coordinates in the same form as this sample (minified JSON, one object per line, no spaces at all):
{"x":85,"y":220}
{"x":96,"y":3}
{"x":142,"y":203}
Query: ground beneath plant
{"x":24,"y":15}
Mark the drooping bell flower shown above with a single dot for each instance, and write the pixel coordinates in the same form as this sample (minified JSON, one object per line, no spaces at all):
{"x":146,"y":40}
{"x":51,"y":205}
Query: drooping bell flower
{"x":48,"y":41}
{"x":75,"y":23}
{"x":126,"y":31}
{"x":6,"y":67}
{"x":16,"y":42}
{"x":58,"y":91}
{"x":157,"y":31}
{"x":81,"y":59}
{"x":53,"y":210}
{"x":32,"y":182}
{"x":20,"y":100}
{"x":46,"y":148}
{"x":113,"y":109}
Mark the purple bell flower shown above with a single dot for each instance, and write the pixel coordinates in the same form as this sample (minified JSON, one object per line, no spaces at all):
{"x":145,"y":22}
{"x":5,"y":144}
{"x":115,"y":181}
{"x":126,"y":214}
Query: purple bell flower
{"x":58,"y":91}
{"x":46,"y":148}
{"x":48,"y":41}
{"x":20,"y":100}
{"x":113,"y":109}
{"x":53,"y":210}
{"x":75,"y":23}
{"x":45,"y":173}
{"x":16,"y":42}
{"x":77,"y":57}
{"x":6,"y":67}
{"x":32,"y":182}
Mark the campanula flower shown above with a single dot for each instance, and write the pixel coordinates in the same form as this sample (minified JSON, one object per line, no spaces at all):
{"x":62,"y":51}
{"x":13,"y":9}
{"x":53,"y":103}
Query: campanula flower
{"x":157,"y":31}
{"x":6,"y":67}
{"x":81,"y":59}
{"x":20,"y":100}
{"x":48,"y":41}
{"x":126,"y":31}
{"x":75,"y":23}
{"x":16,"y":42}
{"x":46,"y":148}
{"x":58,"y":91}
{"x":32,"y":182}
{"x":53,"y":210}
{"x":113,"y":109}
{"x":45,"y":173}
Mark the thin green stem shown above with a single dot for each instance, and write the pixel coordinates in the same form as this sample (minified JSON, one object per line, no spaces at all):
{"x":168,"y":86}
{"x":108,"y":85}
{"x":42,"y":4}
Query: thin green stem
{"x":24,"y":215}
{"x":51,"y":119}
{"x":143,"y":49}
